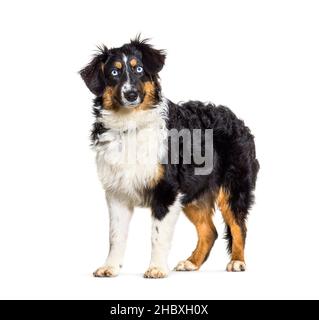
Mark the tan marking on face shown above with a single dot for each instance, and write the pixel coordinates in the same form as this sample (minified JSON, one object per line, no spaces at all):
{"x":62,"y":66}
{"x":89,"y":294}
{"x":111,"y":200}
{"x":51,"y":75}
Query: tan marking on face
{"x":108,"y":101}
{"x":118,"y":64}
{"x":229,"y":218}
{"x":149,"y":99}
{"x":200,"y":214}
{"x":133,"y":62}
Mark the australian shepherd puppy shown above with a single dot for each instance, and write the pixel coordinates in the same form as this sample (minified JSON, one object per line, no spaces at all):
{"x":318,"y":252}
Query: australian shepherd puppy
{"x":151,"y":152}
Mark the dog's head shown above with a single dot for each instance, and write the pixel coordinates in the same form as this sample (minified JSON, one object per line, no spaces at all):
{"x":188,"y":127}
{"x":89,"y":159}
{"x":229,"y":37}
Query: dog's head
{"x":125,"y":77}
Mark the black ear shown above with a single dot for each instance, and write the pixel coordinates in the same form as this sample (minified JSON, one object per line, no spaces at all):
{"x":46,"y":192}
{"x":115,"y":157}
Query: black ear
{"x":93,"y":73}
{"x":153,"y":59}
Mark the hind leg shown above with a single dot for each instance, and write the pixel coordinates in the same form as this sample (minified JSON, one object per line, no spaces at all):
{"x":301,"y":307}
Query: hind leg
{"x":200,"y":214}
{"x":236,"y":231}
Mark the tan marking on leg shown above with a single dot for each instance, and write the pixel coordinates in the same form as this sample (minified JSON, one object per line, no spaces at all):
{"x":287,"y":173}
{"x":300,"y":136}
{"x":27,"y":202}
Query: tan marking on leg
{"x":133,"y":62}
{"x":237,"y":253}
{"x":158,"y":176}
{"x":200,"y":214}
{"x":118,"y":64}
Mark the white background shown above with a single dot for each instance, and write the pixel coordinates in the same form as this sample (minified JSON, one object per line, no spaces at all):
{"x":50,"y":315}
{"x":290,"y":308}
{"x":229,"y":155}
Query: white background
{"x":260,"y":58}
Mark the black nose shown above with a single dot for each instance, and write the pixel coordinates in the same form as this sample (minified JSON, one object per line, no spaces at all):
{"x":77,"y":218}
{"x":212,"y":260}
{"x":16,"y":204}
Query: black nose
{"x":131,"y":95}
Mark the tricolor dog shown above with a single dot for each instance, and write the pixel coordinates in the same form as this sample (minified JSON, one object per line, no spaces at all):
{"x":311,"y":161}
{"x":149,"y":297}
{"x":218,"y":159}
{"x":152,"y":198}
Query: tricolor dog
{"x":152,"y":152}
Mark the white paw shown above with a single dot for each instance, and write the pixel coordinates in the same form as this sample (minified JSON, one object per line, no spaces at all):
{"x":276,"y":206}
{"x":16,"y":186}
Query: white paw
{"x":156,"y":273}
{"x":106,"y":271}
{"x":186,"y":266}
{"x":236,"y":266}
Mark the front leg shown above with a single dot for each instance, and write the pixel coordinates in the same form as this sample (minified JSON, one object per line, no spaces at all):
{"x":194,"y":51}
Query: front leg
{"x":120,"y":215}
{"x":163,"y":225}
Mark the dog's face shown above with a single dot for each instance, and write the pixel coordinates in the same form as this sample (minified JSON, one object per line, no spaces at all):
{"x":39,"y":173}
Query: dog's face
{"x":125,"y":77}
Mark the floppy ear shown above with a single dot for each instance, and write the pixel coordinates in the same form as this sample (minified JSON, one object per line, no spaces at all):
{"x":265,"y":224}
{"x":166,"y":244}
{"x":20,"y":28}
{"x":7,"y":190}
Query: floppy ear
{"x":93,"y":73}
{"x":153,"y":59}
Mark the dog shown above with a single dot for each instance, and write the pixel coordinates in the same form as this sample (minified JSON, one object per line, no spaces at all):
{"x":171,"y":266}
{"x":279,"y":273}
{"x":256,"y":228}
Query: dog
{"x":132,"y":117}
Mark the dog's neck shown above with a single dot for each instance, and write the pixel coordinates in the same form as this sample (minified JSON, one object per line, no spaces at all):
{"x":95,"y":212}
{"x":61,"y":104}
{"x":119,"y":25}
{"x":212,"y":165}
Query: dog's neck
{"x":126,"y":120}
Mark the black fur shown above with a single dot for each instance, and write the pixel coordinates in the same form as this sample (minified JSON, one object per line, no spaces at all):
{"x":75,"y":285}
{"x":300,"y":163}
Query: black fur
{"x":97,"y":130}
{"x":235,"y":166}
{"x":153,"y":59}
{"x":93,"y":75}
{"x":235,"y":163}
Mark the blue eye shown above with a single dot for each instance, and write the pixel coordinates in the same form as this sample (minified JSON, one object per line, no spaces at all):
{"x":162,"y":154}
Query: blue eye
{"x":114,"y":72}
{"x":139,"y":69}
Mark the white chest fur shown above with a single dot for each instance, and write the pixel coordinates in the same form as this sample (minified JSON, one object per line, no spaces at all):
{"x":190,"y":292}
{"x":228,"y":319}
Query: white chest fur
{"x":129,"y":153}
